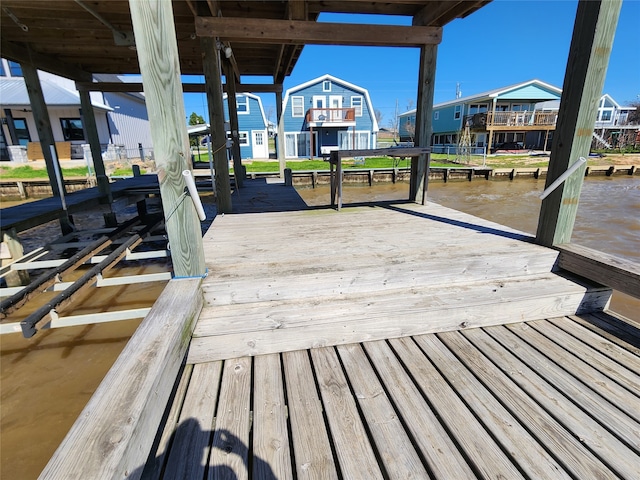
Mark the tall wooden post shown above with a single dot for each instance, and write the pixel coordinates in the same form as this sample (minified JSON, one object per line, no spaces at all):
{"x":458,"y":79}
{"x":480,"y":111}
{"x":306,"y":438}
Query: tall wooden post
{"x":233,"y":121}
{"x":90,"y":127}
{"x":154,"y":30}
{"x":280,"y":141}
{"x":593,"y":34}
{"x":213,"y":88}
{"x":424,"y":123}
{"x":45,"y":133}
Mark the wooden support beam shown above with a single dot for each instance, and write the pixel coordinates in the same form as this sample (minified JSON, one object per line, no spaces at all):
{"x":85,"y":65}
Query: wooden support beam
{"x":212,"y":71}
{"x":45,"y":133}
{"x":299,"y":32}
{"x":593,"y":34}
{"x":186,"y":87}
{"x":232,"y":107}
{"x":279,"y":137}
{"x":424,"y":123}
{"x":155,"y":31}
{"x":89,"y":123}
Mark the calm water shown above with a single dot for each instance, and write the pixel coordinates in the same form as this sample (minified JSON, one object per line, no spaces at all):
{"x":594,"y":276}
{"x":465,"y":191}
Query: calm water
{"x":46,"y":380}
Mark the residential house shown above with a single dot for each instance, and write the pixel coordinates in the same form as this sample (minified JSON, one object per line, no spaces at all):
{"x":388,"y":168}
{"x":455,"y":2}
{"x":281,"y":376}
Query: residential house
{"x":252,"y":125}
{"x":253,"y":128}
{"x":612,"y":127}
{"x":121,"y":118}
{"x":326,"y":114}
{"x":518,"y":115}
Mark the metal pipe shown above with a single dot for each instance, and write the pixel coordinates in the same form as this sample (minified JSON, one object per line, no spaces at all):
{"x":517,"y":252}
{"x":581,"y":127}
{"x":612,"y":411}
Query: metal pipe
{"x":102,"y":20}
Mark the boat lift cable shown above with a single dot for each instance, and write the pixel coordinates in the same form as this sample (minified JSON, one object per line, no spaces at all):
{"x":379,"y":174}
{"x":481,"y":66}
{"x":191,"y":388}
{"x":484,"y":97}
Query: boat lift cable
{"x":43,"y":316}
{"x":37,"y":286}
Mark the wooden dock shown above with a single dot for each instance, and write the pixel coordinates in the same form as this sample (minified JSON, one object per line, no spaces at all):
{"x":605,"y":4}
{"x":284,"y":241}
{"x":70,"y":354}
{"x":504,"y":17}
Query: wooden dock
{"x":32,"y":214}
{"x":382,"y":341}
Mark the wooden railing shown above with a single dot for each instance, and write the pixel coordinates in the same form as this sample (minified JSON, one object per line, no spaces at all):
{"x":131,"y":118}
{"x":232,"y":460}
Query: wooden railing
{"x":331,"y":115}
{"x":512,"y":119}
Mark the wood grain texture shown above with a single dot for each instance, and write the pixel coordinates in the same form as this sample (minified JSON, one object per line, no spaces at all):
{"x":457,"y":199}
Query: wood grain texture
{"x":311,"y":448}
{"x":116,"y":429}
{"x":618,"y":273}
{"x":230,"y":449}
{"x":394,"y":446}
{"x":442,"y":455}
{"x":191,"y":443}
{"x":593,"y":34}
{"x":486,"y":456}
{"x":271,"y":450}
{"x":529,"y":370}
{"x":354,"y":451}
{"x":157,"y":50}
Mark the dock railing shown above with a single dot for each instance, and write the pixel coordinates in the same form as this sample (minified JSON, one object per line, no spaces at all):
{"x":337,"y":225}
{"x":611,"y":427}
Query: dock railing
{"x":511,"y":119}
{"x":116,"y":430}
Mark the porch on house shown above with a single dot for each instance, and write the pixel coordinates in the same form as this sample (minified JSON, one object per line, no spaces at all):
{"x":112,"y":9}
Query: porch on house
{"x":388,"y":340}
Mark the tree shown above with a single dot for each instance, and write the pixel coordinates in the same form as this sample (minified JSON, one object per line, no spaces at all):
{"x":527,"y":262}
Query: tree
{"x":195,"y":119}
{"x":634,"y":115}
{"x":378,"y":115}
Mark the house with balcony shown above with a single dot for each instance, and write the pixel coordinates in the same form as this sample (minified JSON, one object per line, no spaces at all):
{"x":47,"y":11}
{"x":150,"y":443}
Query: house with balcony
{"x":326,"y":114}
{"x":522,"y":115}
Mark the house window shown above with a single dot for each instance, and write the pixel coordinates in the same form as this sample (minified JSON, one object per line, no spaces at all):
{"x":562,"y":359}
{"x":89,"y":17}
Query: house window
{"x":436,"y":115}
{"x":605,"y":116}
{"x":15,"y":69}
{"x":457,"y":112}
{"x":297,"y":106}
{"x":243,"y":138}
{"x":326,"y":86}
{"x":242,"y":104}
{"x":22,"y":131}
{"x":477,"y":108}
{"x":72,"y":129}
{"x":356,"y":102}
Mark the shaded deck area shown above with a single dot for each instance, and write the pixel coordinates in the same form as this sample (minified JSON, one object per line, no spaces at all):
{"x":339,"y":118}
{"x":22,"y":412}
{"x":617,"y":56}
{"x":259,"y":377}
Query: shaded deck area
{"x":31,"y":214}
{"x":396,"y":341}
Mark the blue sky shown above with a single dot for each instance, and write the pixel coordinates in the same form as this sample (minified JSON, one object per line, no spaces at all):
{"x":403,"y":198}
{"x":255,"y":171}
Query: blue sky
{"x":503,"y":43}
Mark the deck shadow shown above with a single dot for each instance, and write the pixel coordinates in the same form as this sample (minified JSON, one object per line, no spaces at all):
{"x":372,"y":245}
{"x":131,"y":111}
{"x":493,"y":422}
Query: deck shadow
{"x":458,"y":223}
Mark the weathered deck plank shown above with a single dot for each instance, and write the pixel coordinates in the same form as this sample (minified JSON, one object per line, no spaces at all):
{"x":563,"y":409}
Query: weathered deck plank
{"x":476,"y":403}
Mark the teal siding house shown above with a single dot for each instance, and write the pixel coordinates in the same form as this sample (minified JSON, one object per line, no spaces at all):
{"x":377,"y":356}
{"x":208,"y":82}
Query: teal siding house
{"x":327,"y":114}
{"x":520,"y":116}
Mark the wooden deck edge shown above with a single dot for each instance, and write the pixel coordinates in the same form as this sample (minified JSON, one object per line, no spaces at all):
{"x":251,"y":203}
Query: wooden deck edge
{"x":361,"y":329}
{"x":114,"y":433}
{"x":615,"y":272}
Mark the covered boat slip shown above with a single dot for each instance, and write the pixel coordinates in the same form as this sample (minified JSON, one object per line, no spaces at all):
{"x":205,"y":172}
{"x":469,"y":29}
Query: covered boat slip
{"x":382,"y":341}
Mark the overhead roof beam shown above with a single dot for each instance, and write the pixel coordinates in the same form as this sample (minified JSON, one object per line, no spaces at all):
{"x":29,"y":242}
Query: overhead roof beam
{"x":125,"y":87}
{"x":48,"y":63}
{"x":305,"y":32}
{"x":441,"y":13}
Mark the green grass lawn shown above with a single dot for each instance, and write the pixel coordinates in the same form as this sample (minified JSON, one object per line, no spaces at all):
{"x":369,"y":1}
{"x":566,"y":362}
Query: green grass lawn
{"x":27,"y":172}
